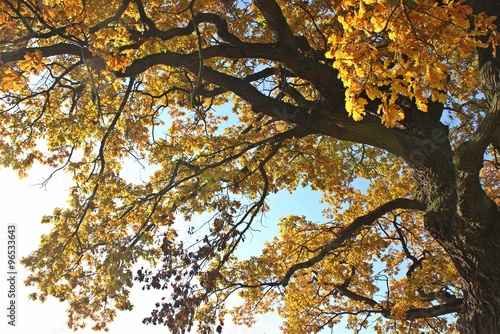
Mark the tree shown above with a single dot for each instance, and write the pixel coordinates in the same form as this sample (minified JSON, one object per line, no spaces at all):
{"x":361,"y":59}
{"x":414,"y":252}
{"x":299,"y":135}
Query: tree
{"x":402,"y":93}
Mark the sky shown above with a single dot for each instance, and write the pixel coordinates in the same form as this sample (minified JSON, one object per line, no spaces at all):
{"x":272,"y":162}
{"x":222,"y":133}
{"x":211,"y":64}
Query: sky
{"x":23,"y":203}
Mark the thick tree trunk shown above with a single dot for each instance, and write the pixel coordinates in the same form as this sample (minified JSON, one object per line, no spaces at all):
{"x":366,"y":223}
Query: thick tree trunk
{"x":462,"y":218}
{"x":474,"y":247}
{"x":466,"y":223}
{"x":475,"y":250}
{"x":481,"y":309}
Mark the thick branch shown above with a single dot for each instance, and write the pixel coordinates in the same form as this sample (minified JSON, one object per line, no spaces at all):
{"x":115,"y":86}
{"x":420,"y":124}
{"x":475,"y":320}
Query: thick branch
{"x":47,"y":51}
{"x":330,"y":121}
{"x":260,"y":103}
{"x":357,"y":297}
{"x":412,"y":314}
{"x":265,"y":73}
{"x":111,"y":19}
{"x":473,"y":201}
{"x":370,"y":131}
{"x":240,"y":87}
{"x":219,"y":22}
{"x":277,"y":21}
{"x":351,"y":230}
{"x":470,"y":153}
{"x":435,"y":311}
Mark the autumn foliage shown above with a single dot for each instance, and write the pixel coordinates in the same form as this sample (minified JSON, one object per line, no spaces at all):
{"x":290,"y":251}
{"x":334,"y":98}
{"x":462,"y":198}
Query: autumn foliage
{"x":226,"y":102}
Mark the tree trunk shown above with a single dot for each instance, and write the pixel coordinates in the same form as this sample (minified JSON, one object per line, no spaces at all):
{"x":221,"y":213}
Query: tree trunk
{"x":466,"y":223}
{"x":461,"y":217}
{"x":481,"y":308}
{"x":474,"y":247}
{"x":475,"y":251}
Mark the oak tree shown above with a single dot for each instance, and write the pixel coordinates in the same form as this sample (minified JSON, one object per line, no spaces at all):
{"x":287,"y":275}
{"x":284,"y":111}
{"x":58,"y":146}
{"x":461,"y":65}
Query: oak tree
{"x":404,"y":94}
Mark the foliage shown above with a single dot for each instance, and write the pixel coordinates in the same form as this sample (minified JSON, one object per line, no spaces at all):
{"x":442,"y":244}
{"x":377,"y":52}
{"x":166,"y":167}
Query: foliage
{"x":322,"y":93}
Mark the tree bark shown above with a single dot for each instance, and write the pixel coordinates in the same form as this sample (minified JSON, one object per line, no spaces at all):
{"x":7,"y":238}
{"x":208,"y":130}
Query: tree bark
{"x":471,"y":239}
{"x":461,"y":217}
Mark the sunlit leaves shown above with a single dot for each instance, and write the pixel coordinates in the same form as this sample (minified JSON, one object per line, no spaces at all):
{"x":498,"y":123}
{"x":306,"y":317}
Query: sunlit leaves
{"x":11,"y":80}
{"x":417,"y":49}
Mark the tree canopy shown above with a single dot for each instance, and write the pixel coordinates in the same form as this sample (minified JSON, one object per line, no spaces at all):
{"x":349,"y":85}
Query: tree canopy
{"x":227,"y":102}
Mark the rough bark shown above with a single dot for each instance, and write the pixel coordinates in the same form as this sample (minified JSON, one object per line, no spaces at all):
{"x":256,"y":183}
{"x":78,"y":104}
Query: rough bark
{"x":474,"y":244}
{"x":471,"y":237}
